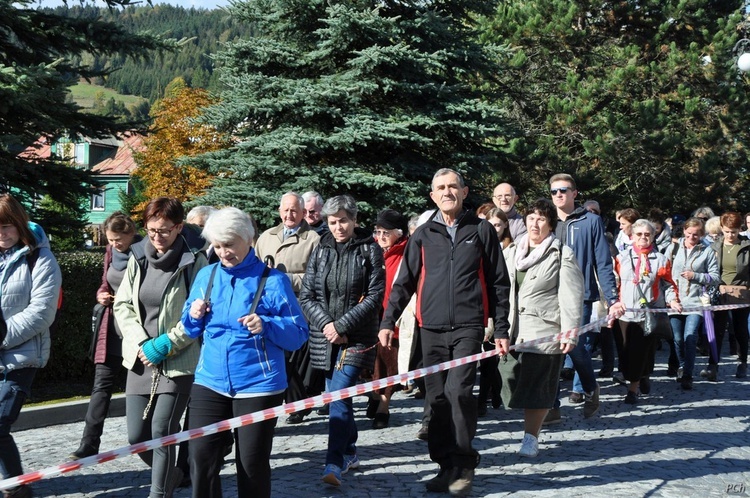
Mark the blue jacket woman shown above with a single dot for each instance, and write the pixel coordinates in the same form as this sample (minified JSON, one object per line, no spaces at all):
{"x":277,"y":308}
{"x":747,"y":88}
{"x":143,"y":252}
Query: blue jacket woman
{"x":241,"y":368}
{"x":233,"y":361}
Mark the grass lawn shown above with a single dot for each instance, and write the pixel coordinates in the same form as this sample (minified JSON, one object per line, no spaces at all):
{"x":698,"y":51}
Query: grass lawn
{"x":85,"y":95}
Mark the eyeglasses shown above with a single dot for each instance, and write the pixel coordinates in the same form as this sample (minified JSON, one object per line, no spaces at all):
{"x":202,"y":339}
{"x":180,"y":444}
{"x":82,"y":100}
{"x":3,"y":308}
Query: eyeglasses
{"x":381,"y":233}
{"x":562,"y":190}
{"x":161,"y":232}
{"x":504,"y":196}
{"x":643,"y":234}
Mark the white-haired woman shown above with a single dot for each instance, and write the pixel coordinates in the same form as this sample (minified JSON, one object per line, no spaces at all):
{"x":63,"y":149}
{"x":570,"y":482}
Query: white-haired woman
{"x":241,"y":367}
{"x":643,"y":270}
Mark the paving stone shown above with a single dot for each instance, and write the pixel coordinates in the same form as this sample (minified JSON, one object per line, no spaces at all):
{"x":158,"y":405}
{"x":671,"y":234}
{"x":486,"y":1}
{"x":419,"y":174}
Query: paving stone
{"x":671,"y":444}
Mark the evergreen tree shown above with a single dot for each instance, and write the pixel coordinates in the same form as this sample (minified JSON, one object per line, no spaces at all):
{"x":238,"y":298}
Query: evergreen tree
{"x":362,"y":97}
{"x":641,"y":101}
{"x":36,"y":69}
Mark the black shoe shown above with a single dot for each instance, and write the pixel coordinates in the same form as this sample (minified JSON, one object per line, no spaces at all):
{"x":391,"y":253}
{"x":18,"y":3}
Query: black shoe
{"x":422,"y":433}
{"x":295,"y":418}
{"x":741,"y":371}
{"x":645,"y":385}
{"x":324,"y":410}
{"x":567,"y":374}
{"x":83,"y":451}
{"x":381,"y":420}
{"x":710,"y":373}
{"x":686,"y":383}
{"x":372,"y":407}
{"x":419,"y":394}
{"x":631,"y":398}
{"x":496,"y":400}
{"x":23,"y":491}
{"x":481,"y":407}
{"x":605,"y":372}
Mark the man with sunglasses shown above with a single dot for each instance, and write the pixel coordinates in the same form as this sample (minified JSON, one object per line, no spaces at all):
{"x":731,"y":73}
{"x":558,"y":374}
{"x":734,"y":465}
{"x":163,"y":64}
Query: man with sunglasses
{"x":583,"y":232}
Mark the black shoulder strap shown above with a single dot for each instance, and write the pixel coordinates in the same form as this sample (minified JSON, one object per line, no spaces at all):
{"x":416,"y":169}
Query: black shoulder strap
{"x":259,"y":291}
{"x":675,"y":248}
{"x":207,"y":296}
{"x":31,"y":259}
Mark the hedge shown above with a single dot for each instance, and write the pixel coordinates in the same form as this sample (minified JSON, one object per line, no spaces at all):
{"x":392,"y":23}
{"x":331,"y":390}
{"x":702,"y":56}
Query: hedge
{"x":81,"y":277}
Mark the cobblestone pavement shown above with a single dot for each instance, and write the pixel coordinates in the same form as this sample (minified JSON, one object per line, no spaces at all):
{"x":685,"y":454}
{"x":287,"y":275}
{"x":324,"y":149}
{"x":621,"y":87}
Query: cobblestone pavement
{"x":672,"y":444}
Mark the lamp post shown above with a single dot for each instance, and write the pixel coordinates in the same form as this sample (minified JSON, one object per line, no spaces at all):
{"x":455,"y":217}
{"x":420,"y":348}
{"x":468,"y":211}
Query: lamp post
{"x":743,"y":61}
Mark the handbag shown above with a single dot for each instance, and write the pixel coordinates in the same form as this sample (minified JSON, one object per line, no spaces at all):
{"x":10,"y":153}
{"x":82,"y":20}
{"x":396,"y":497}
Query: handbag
{"x":734,"y":294}
{"x":97,"y":315}
{"x":656,"y":324}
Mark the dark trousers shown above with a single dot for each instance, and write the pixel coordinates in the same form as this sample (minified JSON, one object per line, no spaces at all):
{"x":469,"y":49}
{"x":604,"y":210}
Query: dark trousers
{"x":638,"y":352}
{"x":449,"y":393}
{"x":15,"y":387}
{"x":489,"y":378}
{"x":163,"y":420}
{"x":739,"y":323}
{"x":105,"y":376}
{"x":253,"y":443}
{"x":607,"y":345}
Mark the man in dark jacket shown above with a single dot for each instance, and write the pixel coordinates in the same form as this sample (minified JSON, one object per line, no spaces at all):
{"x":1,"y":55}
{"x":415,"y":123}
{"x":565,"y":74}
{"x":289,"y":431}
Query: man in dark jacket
{"x":454,"y":264}
{"x":583,"y":232}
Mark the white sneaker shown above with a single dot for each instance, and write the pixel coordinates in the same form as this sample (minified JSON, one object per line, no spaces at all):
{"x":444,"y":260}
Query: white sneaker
{"x":529,"y":446}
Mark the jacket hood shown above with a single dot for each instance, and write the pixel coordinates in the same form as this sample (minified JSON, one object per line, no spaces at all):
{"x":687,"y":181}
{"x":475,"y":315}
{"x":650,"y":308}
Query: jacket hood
{"x":578,"y":212}
{"x":39,"y":235}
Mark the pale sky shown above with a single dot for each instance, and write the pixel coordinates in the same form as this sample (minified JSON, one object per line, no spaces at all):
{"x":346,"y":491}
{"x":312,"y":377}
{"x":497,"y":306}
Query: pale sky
{"x":206,"y":4}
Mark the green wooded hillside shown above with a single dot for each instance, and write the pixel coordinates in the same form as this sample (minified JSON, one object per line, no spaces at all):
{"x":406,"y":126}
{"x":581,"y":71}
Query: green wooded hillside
{"x":205,"y":30}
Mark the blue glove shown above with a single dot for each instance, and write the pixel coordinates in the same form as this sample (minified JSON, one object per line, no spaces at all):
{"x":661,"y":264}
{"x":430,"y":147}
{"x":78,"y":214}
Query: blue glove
{"x":156,"y":350}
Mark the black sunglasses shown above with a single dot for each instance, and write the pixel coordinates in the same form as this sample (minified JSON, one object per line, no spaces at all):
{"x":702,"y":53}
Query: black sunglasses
{"x":562,"y":190}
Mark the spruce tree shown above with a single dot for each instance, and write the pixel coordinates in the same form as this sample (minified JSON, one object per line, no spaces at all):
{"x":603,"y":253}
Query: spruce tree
{"x":37,"y":49}
{"x":641,"y":101}
{"x":368,"y":98}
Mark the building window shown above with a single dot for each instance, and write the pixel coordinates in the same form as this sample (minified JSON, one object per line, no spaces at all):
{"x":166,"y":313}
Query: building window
{"x":97,"y":201}
{"x":81,"y":153}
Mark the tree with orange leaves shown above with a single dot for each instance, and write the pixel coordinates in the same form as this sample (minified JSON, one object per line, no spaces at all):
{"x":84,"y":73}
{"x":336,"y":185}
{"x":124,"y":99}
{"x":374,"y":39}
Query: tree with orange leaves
{"x":175,"y":134}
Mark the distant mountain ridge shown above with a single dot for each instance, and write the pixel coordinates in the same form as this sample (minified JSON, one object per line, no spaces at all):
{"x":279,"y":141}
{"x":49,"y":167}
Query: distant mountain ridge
{"x":206,"y":30}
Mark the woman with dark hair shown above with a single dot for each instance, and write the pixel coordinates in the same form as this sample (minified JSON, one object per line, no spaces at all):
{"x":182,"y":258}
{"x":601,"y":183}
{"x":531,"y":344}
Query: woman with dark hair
{"x":242,"y":366}
{"x":107,"y":342}
{"x":499,"y":220}
{"x":391,"y":233}
{"x":489,"y":378}
{"x":546,"y":298}
{"x":626,"y":218}
{"x":485,"y":208}
{"x":159,"y":355}
{"x":30,"y":282}
{"x":733,"y":254}
{"x":342,"y":294}
{"x":644,"y":272}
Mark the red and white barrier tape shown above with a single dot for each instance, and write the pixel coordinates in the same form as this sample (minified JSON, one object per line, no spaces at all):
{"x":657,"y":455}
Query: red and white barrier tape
{"x":324,"y":398}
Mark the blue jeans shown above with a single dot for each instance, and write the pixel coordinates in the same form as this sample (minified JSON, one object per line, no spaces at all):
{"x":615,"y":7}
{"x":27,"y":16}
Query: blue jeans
{"x":685,"y":332}
{"x":342,"y":430}
{"x":15,"y":387}
{"x":585,"y":379}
